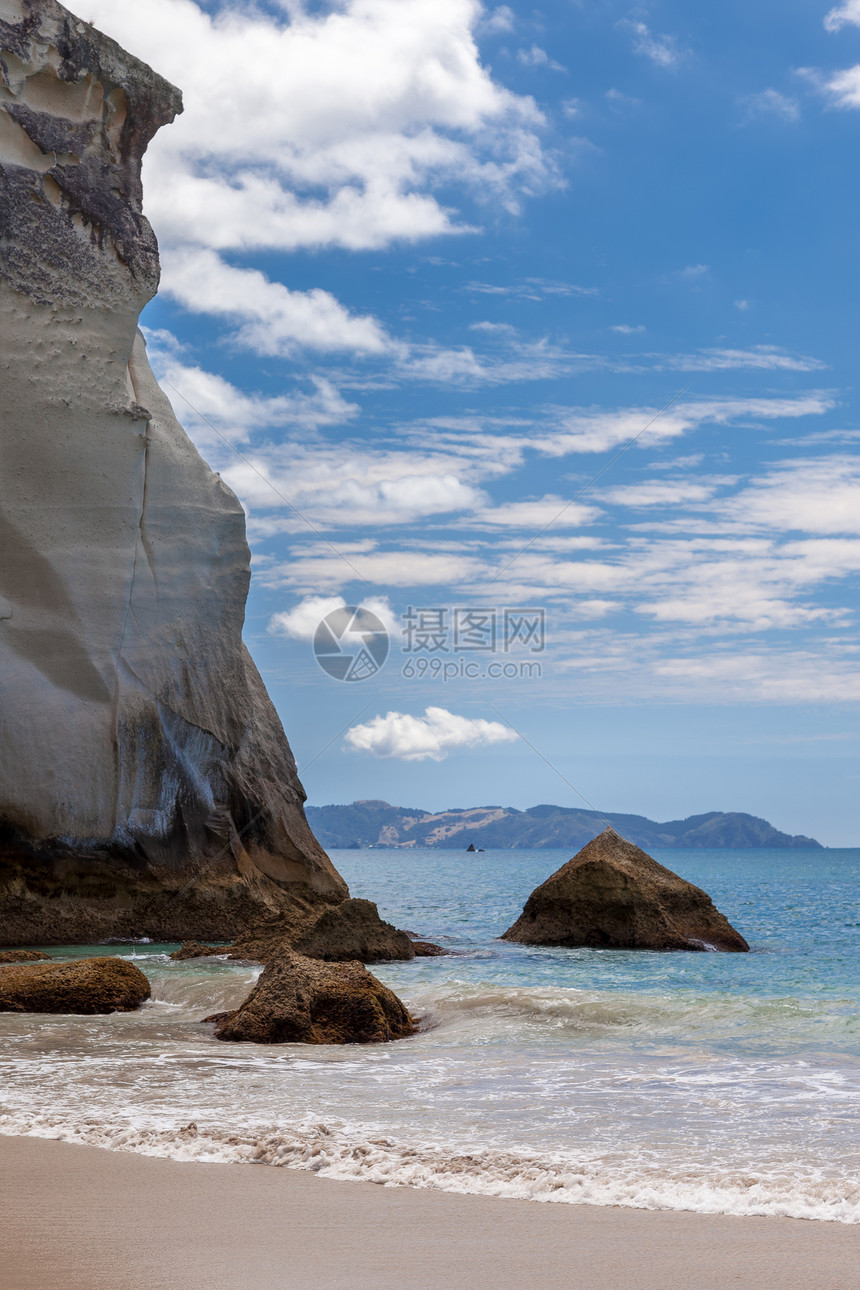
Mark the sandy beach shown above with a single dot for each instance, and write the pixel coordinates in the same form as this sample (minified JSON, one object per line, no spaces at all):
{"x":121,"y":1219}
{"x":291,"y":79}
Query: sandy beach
{"x":79,"y":1218}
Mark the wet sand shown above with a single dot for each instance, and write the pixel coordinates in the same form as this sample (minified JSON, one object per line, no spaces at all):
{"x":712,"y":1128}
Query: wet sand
{"x":79,"y":1218}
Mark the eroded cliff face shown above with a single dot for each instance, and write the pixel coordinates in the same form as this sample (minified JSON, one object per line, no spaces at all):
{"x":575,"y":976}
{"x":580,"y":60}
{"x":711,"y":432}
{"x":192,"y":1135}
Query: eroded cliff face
{"x":146,"y":785}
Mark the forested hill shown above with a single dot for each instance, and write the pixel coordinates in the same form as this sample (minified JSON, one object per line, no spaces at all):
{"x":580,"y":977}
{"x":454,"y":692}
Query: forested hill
{"x":377,"y":824}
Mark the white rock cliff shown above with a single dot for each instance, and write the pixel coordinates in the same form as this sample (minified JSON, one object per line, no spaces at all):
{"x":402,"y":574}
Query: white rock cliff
{"x":146,"y":784}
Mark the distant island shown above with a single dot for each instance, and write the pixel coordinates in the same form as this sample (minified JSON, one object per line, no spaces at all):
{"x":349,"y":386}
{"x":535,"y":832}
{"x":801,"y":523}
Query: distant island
{"x":378,"y":824}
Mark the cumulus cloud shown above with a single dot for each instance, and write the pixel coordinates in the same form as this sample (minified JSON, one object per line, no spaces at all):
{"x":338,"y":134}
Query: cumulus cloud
{"x":843,"y":15}
{"x":327,"y":126}
{"x":272,"y":319}
{"x":301,"y":622}
{"x":843,"y":89}
{"x":431,"y":737}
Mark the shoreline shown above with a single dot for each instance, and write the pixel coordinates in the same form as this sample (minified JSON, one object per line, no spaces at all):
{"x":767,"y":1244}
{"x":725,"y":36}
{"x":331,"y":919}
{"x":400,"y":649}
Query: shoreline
{"x":85,"y":1218}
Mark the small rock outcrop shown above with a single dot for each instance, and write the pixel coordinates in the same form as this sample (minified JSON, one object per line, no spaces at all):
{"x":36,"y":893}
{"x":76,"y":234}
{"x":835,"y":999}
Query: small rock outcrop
{"x":299,"y":1000}
{"x":612,"y":895}
{"x":87,"y":987}
{"x":146,"y":784}
{"x":194,"y":950}
{"x":354,"y":930}
{"x":429,"y":950}
{"x":350,"y":930}
{"x":22,"y":956}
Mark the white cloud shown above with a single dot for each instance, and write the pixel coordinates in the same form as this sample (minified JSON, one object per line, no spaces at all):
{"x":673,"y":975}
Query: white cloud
{"x":300,"y":623}
{"x":665,"y":51}
{"x":431,"y":737}
{"x":499,"y":20}
{"x":843,"y":15}
{"x":535,"y":514}
{"x":273,"y":319}
{"x":693,"y":271}
{"x":812,"y":495}
{"x":316,"y":567}
{"x":765,"y":358}
{"x":531,"y":289}
{"x":771,"y":102}
{"x":597,"y":431}
{"x":537,"y":57}
{"x":210,"y":407}
{"x":844,"y":88}
{"x":325,"y":127}
{"x":345,"y":485}
{"x":665,"y":492}
{"x":743,"y":305}
{"x":627,"y":329}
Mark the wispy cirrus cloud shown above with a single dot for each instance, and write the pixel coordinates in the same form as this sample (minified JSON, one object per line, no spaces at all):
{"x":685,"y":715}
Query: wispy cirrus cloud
{"x":772,"y":103}
{"x":664,"y":51}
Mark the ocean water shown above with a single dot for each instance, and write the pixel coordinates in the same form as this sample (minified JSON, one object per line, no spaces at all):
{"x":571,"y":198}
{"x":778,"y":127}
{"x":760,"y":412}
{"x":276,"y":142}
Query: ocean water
{"x":720,"y":1083}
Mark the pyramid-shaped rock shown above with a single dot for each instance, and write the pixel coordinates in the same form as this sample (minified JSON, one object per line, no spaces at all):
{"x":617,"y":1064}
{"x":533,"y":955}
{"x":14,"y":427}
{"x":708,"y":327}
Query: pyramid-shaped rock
{"x":613,"y":895}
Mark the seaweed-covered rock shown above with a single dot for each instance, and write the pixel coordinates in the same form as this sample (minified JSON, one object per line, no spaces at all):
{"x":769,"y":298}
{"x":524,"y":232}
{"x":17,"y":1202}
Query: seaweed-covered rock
{"x":22,"y":956}
{"x":299,"y":1000}
{"x":612,"y":895}
{"x":88,"y":986}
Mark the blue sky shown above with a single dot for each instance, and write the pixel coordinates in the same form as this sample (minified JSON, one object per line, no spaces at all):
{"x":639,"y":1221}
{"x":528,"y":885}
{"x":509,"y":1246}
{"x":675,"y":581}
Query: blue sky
{"x":505,"y":307}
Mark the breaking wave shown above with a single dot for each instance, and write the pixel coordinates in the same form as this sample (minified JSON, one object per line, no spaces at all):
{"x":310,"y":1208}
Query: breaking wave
{"x":362,"y":1156}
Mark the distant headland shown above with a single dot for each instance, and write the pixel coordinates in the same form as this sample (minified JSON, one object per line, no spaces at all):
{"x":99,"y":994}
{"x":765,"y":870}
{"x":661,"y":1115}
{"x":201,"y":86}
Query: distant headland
{"x":378,"y":824}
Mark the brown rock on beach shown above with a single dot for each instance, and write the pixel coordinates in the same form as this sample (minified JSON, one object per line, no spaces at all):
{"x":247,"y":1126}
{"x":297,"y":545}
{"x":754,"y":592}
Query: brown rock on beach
{"x":22,"y":956}
{"x":613,"y":895}
{"x":304,"y":1001}
{"x":87,"y":987}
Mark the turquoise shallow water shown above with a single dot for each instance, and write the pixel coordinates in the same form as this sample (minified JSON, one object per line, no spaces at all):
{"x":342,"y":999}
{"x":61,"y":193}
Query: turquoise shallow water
{"x":720,"y":1083}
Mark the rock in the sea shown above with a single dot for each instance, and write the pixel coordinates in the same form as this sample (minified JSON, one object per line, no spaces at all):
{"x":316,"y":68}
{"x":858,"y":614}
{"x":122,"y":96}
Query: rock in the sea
{"x":22,"y":956}
{"x":146,"y":785}
{"x":350,"y":930}
{"x":88,"y":986}
{"x":194,"y":950}
{"x":299,"y":1000}
{"x":429,"y":950}
{"x":612,"y":895}
{"x":354,"y":930}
